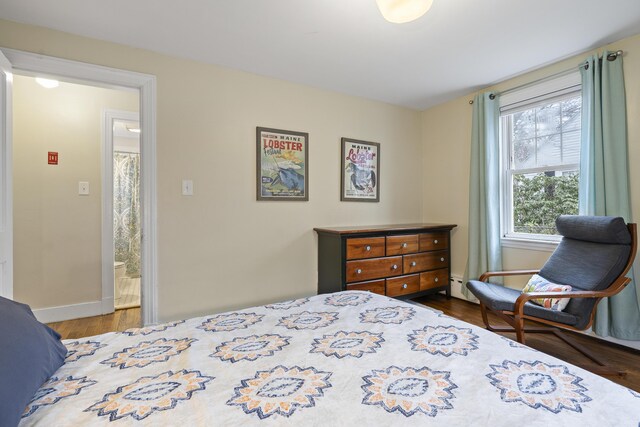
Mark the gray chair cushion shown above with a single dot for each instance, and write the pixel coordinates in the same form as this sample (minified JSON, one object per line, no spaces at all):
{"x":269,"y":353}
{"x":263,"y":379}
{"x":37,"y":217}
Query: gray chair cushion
{"x":599,"y":229}
{"x":590,"y":260}
{"x":498,"y":298}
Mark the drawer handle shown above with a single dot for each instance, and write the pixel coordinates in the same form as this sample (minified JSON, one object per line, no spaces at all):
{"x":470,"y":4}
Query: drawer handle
{"x":404,"y":286}
{"x":436,"y":280}
{"x":442,"y":259}
{"x":367,"y":248}
{"x":358,"y":271}
{"x":404,"y":245}
{"x":435,"y":241}
{"x":413,"y":263}
{"x":395,"y":267}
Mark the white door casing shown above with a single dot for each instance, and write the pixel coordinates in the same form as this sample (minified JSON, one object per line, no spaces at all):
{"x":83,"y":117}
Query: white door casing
{"x":6,"y":182}
{"x":34,"y":64}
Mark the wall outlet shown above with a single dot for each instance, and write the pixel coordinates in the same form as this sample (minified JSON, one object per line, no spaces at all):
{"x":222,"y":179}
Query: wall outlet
{"x":83,"y":188}
{"x":187,"y":187}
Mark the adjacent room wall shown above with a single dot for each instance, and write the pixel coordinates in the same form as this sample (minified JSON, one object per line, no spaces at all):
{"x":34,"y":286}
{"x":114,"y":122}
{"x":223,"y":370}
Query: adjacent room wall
{"x":220,"y":249}
{"x":57,"y":233}
{"x":446,"y":136}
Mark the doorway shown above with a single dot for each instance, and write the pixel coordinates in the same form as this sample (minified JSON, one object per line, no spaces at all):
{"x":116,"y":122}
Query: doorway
{"x":122,"y":129}
{"x":27,"y":64}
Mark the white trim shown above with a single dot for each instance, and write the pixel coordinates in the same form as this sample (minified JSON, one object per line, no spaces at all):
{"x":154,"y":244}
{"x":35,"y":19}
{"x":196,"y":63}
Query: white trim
{"x":108,"y":117}
{"x":31,"y":63}
{"x":529,"y":244}
{"x":66,"y":312}
{"x":543,"y":89}
{"x":6,"y":180}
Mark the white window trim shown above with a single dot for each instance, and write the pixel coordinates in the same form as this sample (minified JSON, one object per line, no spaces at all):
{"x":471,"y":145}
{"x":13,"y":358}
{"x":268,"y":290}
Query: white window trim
{"x":511,"y":102}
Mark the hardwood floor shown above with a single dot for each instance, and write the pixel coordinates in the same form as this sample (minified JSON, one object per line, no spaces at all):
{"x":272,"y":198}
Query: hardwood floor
{"x":120,"y":320}
{"x":617,"y":356}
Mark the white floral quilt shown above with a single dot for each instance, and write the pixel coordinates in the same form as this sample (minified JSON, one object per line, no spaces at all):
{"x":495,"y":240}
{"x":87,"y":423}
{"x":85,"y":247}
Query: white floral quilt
{"x":344,"y":359}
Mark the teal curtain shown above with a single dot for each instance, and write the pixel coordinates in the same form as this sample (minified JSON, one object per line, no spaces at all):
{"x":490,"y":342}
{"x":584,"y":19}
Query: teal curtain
{"x":484,"y":190}
{"x":126,"y":210}
{"x":604,"y":176}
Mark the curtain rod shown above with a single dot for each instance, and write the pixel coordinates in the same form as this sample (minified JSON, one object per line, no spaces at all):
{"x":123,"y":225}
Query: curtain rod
{"x":610,"y":57}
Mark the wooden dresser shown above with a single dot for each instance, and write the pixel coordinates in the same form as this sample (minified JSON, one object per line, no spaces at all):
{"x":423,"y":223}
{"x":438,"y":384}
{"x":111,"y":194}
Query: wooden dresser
{"x":405,"y":260}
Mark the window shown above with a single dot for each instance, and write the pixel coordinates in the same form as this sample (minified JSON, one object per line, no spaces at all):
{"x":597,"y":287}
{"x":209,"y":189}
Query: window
{"x":540,"y":140}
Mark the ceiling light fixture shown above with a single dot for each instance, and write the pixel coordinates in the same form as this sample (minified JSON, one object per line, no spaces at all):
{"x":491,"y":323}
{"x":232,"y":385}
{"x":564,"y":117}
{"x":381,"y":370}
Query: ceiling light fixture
{"x":48,"y":83}
{"x":402,"y":11}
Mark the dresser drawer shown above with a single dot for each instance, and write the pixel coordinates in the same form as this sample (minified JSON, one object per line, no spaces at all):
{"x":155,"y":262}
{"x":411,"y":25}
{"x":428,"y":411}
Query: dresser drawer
{"x":434,"y":241}
{"x":375,"y":286}
{"x":416,"y":263}
{"x":400,"y":245}
{"x":375,"y":268}
{"x":403,"y":285}
{"x":434,"y":279}
{"x":370,"y":247}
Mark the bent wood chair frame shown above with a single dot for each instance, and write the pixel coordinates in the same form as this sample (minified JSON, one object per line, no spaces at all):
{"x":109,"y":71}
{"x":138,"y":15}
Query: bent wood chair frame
{"x":517,"y":317}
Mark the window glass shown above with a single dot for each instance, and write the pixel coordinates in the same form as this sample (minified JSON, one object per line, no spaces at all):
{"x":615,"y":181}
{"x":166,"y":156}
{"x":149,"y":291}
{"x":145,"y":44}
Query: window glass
{"x":542,"y":145}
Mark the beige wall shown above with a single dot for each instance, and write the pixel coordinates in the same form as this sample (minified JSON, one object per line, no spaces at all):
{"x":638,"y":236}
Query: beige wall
{"x":57,"y":259}
{"x":220,"y":249}
{"x":446,"y":135}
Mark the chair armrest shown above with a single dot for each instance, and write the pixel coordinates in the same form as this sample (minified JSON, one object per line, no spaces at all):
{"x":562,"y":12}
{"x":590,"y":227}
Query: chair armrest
{"x":523,"y":298}
{"x":488,"y":274}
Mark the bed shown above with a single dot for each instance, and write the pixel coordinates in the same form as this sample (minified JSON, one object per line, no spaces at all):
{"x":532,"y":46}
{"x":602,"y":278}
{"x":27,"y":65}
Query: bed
{"x":350,"y":358}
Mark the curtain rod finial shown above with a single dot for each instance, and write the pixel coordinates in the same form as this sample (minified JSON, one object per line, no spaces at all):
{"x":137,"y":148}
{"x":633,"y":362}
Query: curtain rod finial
{"x":471,"y":102}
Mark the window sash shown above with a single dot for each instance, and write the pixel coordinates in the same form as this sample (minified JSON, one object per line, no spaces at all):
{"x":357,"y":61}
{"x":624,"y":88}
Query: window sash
{"x":507,"y":145}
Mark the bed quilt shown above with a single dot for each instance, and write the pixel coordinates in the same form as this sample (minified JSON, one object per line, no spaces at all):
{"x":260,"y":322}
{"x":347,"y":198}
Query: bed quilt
{"x":344,"y":359}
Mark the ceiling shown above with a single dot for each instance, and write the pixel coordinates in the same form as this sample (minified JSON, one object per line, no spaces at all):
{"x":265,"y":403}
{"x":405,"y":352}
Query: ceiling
{"x":345,"y":45}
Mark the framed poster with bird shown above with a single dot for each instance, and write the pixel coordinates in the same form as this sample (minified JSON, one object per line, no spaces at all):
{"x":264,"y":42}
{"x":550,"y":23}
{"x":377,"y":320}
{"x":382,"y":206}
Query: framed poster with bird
{"x":360,"y":165}
{"x":282,"y":164}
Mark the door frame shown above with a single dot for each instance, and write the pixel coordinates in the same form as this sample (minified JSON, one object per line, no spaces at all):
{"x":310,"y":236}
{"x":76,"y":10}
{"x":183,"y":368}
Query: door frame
{"x":6,"y":182}
{"x":30,"y":64}
{"x":108,"y":238}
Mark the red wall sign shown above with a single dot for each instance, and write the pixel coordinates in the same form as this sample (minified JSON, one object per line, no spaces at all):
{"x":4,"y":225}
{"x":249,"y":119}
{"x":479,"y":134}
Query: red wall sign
{"x":53,"y":157}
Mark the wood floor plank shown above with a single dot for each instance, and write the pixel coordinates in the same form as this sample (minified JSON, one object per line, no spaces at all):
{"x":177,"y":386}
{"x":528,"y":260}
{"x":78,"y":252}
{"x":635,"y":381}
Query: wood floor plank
{"x":118,"y":321}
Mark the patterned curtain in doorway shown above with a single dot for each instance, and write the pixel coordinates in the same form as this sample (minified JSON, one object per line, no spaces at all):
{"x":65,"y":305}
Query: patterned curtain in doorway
{"x":126,"y":210}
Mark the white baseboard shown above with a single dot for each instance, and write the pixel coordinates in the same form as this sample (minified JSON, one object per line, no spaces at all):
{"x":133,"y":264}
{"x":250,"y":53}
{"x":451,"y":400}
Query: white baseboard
{"x":108,"y":305}
{"x":68,"y":312}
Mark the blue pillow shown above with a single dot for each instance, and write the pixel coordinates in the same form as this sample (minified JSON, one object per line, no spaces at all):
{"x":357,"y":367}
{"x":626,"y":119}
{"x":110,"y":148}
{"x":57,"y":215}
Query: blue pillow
{"x":30,"y":353}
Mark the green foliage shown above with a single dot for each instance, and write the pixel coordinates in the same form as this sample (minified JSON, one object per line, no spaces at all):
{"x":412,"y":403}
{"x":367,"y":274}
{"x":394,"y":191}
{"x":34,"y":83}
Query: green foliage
{"x":539,"y":199}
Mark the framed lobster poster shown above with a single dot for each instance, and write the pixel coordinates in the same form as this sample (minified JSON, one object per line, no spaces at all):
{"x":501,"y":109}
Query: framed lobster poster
{"x":360,"y":178}
{"x":282,"y":164}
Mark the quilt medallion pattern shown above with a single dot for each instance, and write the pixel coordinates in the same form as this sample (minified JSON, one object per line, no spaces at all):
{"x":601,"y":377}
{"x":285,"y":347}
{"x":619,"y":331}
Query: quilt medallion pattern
{"x":387,"y":315}
{"x":539,"y":385}
{"x":151,"y":329}
{"x":148,"y":352}
{"x":343,"y":344}
{"x":230,"y":322}
{"x":346,"y":359}
{"x":308,"y":320}
{"x":280,"y":390}
{"x":347,"y":298}
{"x":78,"y":349}
{"x":409,"y":391}
{"x":54,"y":390}
{"x":250,"y":348}
{"x":286,"y":305}
{"x":147,"y":395}
{"x":444,"y":340}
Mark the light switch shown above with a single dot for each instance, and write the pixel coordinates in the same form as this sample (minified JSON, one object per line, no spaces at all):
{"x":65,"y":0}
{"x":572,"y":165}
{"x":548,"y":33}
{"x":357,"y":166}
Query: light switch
{"x":83,"y":188}
{"x":187,"y":187}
